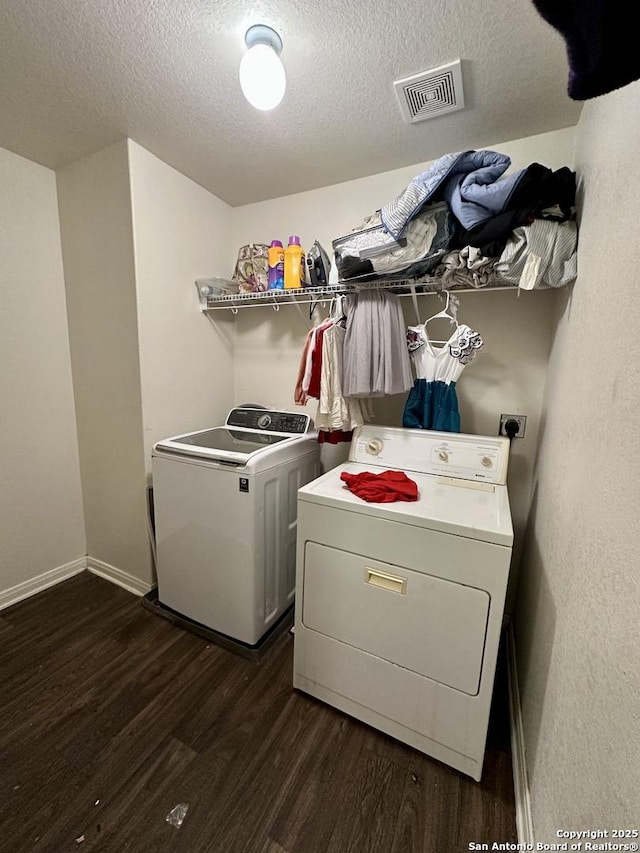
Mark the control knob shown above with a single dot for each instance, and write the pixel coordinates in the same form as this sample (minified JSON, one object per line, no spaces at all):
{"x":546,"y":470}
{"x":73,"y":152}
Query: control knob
{"x":374,"y":446}
{"x":264,"y":421}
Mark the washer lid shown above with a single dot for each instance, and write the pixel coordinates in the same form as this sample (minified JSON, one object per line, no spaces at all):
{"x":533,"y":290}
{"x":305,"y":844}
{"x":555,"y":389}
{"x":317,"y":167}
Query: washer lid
{"x":450,"y":505}
{"x":234,"y":446}
{"x":247,"y":431}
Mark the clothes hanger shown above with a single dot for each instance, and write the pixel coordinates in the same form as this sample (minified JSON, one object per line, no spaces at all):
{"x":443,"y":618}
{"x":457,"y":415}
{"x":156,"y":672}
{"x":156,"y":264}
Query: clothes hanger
{"x":336,"y":310}
{"x":447,"y":313}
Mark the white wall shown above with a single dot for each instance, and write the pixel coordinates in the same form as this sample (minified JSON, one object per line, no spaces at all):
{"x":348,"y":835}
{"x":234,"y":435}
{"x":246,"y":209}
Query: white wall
{"x":577,"y":626}
{"x":42,"y":526}
{"x":507,"y":377}
{"x":97,"y":244}
{"x":181,"y":232}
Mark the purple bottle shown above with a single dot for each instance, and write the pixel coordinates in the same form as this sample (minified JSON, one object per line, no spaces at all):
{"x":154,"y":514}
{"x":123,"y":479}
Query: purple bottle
{"x":275,"y":280}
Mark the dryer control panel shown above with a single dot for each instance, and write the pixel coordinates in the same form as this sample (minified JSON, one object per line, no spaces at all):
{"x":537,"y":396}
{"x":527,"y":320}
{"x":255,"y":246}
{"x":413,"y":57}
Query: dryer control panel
{"x":456,"y":455}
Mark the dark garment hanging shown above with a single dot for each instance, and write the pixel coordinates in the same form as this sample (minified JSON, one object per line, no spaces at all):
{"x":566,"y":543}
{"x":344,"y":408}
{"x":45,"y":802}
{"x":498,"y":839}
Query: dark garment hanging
{"x":316,"y":366}
{"x":601,"y":43}
{"x":334,"y":436}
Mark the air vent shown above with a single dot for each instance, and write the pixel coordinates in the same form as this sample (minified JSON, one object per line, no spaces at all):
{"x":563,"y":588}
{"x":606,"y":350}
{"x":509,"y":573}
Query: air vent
{"x":431,"y":93}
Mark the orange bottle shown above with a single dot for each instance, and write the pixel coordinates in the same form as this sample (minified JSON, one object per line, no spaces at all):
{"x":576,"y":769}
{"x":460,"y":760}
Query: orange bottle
{"x":294,"y":268}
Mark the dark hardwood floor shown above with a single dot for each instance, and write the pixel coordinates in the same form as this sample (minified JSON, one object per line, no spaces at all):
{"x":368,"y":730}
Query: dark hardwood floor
{"x":110,"y":716}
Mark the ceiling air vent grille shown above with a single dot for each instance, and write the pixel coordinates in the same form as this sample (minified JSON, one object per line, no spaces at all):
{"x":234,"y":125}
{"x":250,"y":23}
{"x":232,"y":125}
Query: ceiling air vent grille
{"x":431,"y":93}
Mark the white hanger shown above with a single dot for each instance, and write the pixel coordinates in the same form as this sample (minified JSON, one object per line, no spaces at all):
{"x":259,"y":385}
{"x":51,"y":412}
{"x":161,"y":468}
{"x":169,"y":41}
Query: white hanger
{"x":446,"y":313}
{"x":337,"y":312}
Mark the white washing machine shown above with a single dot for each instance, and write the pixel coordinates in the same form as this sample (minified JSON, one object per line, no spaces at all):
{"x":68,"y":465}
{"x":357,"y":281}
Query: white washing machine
{"x":225,"y":519}
{"x":399,"y":606}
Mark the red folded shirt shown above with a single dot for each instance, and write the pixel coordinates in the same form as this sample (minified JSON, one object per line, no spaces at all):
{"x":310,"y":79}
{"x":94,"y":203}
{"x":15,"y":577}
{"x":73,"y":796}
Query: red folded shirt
{"x":381,"y":488}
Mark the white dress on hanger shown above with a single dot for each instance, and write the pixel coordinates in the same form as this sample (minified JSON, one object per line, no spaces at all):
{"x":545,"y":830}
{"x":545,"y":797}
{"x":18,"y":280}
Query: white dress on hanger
{"x":433,"y":401}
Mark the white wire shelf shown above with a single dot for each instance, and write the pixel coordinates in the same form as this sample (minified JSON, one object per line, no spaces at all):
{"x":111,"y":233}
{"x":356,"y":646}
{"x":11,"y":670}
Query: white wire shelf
{"x":214,"y":293}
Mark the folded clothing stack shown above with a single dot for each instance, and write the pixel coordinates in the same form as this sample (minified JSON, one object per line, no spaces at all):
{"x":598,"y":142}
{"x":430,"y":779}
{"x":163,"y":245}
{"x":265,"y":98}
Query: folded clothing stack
{"x":464,"y":201}
{"x":486,"y":203}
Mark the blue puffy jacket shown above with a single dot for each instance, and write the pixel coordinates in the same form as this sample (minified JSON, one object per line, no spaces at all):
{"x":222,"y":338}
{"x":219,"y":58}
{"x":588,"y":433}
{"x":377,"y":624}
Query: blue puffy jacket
{"x":468,"y":181}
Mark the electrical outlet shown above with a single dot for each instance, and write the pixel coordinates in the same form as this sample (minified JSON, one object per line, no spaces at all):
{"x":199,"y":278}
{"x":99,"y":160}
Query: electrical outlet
{"x":521,"y":420}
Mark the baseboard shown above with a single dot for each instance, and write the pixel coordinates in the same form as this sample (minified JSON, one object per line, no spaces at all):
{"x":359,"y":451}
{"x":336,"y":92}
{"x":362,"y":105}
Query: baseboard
{"x":28,"y":588}
{"x":524,"y":820}
{"x":110,"y":573}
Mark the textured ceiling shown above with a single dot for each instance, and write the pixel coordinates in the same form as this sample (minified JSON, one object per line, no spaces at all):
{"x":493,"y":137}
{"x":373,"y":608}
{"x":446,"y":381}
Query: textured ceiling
{"x":77,"y":75}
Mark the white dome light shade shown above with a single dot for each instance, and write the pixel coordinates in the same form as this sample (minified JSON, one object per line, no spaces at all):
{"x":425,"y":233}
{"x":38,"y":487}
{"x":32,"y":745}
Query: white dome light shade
{"x":262,"y":77}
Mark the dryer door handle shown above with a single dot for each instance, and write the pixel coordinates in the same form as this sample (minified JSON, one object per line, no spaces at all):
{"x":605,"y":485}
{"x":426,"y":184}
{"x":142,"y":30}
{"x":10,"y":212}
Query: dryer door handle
{"x":392,"y":583}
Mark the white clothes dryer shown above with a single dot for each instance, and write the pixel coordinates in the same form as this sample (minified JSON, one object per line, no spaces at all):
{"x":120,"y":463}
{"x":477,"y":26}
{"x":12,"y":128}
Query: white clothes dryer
{"x":399,"y":606}
{"x":225,"y":517}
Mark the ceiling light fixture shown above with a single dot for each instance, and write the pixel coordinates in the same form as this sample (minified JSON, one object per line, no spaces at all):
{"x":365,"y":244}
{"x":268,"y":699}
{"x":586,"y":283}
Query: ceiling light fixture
{"x":262,"y":76}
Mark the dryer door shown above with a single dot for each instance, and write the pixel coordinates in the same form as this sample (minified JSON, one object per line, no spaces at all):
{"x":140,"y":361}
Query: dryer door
{"x":426,"y":624}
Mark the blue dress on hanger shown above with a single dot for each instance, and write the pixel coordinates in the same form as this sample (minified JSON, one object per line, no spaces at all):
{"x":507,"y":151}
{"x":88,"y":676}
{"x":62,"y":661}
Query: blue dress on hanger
{"x":433,"y":400}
